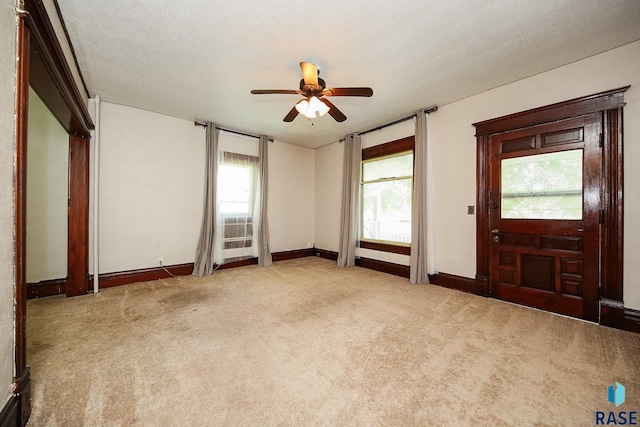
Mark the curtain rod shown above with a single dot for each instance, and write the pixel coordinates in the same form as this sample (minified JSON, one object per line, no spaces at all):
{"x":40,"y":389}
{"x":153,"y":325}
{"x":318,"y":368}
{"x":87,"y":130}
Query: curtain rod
{"x":426,"y":110}
{"x":204,"y":125}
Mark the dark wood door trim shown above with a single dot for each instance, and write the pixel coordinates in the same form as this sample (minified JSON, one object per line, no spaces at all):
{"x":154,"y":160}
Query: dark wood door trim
{"x":483,"y":159}
{"x":51,"y":78}
{"x":41,"y":64}
{"x":78,"y":216}
{"x":598,"y":102}
{"x":613,"y":217}
{"x":55,"y":83}
{"x":612,"y":310}
{"x":610,"y":104}
{"x":22,"y":380}
{"x":20,"y":193}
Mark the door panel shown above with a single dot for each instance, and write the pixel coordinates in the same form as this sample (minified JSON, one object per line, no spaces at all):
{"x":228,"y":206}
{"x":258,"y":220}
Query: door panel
{"x":544,"y":219}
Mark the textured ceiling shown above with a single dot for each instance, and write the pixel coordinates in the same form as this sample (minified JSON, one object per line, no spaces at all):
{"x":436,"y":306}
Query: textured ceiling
{"x":199,"y":59}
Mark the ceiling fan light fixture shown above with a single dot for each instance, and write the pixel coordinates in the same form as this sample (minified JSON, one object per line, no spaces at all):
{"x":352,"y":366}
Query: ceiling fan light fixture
{"x":312,"y":107}
{"x":320,"y":107}
{"x":302,"y":107}
{"x":312,"y":88}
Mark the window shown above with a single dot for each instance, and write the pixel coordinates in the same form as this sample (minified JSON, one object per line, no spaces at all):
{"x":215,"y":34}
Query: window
{"x":386,"y":187}
{"x":543,"y":186}
{"x":237,"y":181}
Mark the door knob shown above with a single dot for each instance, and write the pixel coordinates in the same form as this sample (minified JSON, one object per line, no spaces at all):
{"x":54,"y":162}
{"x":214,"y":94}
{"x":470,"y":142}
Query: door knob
{"x":495,"y":231}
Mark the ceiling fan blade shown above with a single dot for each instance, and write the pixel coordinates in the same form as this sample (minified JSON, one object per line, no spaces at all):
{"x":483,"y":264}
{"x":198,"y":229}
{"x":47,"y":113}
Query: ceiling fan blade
{"x":309,"y":73}
{"x":292,"y":115}
{"x":271,"y":91}
{"x":348,"y":91}
{"x":333,"y":111}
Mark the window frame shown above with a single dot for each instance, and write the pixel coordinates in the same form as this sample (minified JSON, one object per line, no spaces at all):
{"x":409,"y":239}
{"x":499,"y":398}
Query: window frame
{"x":393,"y":148}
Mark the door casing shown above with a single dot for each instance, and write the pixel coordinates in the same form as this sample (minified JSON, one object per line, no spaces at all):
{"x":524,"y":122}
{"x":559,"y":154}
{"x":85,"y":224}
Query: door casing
{"x":543,"y":263}
{"x":610,"y":104}
{"x":41,"y":63}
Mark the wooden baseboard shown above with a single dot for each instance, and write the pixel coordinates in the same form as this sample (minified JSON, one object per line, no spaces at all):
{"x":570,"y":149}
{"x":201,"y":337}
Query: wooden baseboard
{"x":384,"y":266}
{"x":450,"y":281}
{"x":127,"y":277}
{"x":109,"y":280}
{"x":297,"y":253}
{"x":17,"y":409}
{"x":234,"y":264}
{"x":615,"y":315}
{"x":46,"y":288}
{"x":612,"y":313}
{"x":460,"y":283}
{"x":9,"y":414}
{"x":372,"y":264}
{"x":22,"y":391}
{"x":632,"y":320}
{"x":49,"y":288}
{"x":322,"y":253}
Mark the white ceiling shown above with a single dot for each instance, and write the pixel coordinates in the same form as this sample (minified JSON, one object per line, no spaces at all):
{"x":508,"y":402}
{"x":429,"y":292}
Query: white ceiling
{"x":199,"y":59}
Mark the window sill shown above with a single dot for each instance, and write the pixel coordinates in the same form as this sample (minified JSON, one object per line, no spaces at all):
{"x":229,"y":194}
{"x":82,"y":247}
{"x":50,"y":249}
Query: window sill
{"x":386,"y":247}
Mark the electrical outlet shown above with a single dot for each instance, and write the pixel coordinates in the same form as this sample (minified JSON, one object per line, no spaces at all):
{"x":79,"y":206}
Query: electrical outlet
{"x":160,"y":261}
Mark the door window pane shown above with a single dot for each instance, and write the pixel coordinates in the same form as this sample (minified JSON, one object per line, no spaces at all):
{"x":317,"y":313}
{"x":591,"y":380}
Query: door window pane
{"x":543,"y":186}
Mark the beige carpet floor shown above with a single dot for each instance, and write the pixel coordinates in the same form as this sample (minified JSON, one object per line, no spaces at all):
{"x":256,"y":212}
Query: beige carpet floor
{"x":304,"y":343}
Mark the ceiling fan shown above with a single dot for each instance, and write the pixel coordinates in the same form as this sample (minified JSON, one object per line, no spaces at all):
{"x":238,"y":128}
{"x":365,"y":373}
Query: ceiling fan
{"x":313,"y":88}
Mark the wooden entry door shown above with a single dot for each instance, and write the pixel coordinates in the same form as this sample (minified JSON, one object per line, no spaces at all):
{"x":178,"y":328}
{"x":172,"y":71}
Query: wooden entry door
{"x":545,"y":201}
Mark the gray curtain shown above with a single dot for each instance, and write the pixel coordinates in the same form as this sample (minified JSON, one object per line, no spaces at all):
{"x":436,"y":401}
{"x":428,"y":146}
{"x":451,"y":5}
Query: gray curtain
{"x":204,"y":264}
{"x":264,"y":254}
{"x":418,"y":272}
{"x":350,"y":200}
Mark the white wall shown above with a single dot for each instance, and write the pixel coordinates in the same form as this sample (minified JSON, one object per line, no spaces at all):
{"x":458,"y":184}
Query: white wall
{"x":291,"y":202}
{"x":388,"y":134}
{"x":151,"y":188}
{"x":152,"y":182}
{"x":328,"y":195}
{"x":454,"y":159}
{"x":7,"y":140}
{"x":47,"y":194}
{"x":454,"y":147}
